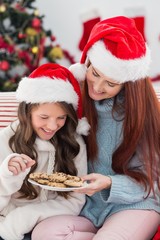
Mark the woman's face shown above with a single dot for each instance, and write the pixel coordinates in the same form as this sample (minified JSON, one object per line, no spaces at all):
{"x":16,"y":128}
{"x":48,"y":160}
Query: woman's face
{"x":99,"y":86}
{"x":47,"y":119}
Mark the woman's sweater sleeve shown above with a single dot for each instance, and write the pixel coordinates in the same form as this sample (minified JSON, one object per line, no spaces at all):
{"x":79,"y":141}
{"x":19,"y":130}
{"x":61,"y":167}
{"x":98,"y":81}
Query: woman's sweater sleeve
{"x":126,"y":190}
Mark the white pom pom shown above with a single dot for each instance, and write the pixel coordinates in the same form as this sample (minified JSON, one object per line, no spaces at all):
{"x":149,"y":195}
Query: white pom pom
{"x":83,"y":126}
{"x":79,"y":71}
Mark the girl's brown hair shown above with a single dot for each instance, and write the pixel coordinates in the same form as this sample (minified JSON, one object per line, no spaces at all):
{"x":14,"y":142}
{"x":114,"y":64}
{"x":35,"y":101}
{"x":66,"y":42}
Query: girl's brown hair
{"x":141,"y":130}
{"x":64,"y":141}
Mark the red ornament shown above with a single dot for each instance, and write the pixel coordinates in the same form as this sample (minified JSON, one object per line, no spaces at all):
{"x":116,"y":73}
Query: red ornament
{"x":53,"y":38}
{"x":20,"y":7}
{"x":13,"y":80}
{"x":4,"y":65}
{"x":5,"y":45}
{"x":21,"y":35}
{"x":36,"y":23}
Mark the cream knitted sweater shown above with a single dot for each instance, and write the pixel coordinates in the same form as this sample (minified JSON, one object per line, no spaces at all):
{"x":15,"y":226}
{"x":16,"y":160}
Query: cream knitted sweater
{"x":19,"y":216}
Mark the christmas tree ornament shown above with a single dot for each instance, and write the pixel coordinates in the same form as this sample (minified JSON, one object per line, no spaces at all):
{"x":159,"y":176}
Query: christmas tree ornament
{"x":2,"y":8}
{"x":35,"y":50}
{"x":8,"y":84}
{"x":89,"y":19}
{"x":56,"y":52}
{"x":21,"y":35}
{"x":36,"y":12}
{"x":19,"y":7}
{"x":36,"y":23}
{"x":31,"y":31}
{"x":4,"y":65}
{"x":53,"y":38}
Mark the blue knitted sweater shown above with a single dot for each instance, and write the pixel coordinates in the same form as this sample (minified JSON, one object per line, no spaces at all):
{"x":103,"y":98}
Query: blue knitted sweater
{"x":124,"y":193}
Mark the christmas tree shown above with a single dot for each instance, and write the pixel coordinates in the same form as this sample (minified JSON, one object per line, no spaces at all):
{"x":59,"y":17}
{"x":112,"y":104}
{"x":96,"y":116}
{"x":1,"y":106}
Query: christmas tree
{"x":24,"y":43}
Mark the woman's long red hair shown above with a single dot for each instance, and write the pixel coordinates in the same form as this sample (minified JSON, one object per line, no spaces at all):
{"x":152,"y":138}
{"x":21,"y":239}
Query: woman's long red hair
{"x":141,"y":129}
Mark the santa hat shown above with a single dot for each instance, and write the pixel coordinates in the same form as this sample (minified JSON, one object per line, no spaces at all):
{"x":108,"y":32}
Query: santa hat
{"x":117,"y":49}
{"x":53,"y":83}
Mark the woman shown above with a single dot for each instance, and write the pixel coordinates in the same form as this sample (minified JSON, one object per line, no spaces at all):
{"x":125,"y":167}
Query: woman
{"x":123,"y":191}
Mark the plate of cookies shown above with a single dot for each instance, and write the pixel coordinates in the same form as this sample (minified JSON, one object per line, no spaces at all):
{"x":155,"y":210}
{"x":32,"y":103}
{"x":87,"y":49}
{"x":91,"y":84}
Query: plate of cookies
{"x":57,"y":181}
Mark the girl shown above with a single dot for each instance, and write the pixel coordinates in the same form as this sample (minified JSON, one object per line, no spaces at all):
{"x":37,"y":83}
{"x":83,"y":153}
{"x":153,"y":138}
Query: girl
{"x":123,"y":192}
{"x":45,"y":138}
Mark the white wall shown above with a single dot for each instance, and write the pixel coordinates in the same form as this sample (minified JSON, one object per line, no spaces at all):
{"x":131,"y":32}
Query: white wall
{"x":63,"y":17}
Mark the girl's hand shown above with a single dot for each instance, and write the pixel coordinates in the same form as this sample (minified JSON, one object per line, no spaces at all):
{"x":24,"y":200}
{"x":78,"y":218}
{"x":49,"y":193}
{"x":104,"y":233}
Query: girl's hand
{"x":20,"y":163}
{"x":96,"y":183}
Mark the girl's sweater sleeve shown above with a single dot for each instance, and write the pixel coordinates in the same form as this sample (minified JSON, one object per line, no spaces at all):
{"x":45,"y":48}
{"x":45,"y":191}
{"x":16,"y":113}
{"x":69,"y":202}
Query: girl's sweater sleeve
{"x":9,"y":183}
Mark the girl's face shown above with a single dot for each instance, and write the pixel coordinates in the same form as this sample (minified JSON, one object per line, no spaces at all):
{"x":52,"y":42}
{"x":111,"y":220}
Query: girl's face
{"x":47,"y":119}
{"x":99,"y":86}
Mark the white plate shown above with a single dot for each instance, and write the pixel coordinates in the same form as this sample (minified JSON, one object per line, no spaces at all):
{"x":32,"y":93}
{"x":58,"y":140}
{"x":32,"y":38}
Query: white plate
{"x":58,"y":189}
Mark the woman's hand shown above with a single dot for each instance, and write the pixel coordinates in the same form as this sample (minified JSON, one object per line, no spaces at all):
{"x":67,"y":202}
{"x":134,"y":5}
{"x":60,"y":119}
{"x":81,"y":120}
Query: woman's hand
{"x":96,"y":183}
{"x":20,"y":163}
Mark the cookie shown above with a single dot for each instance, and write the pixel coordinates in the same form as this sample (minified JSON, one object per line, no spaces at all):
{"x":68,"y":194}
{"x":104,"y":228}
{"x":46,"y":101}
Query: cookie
{"x":42,"y":181}
{"x":35,"y":175}
{"x":44,"y":176}
{"x":72,"y":183}
{"x":58,"y":177}
{"x":74,"y":178}
{"x":55,"y":184}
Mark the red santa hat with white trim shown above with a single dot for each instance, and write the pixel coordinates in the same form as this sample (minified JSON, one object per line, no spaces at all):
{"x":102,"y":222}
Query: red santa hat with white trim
{"x":53,"y":83}
{"x":117,"y":49}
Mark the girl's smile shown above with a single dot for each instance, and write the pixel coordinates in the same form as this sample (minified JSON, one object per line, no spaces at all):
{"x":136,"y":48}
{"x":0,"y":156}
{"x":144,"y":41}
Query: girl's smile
{"x":47,"y":119}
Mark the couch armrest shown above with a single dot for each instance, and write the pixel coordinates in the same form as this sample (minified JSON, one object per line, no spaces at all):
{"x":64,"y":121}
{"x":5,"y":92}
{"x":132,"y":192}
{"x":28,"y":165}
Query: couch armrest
{"x":8,"y":108}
